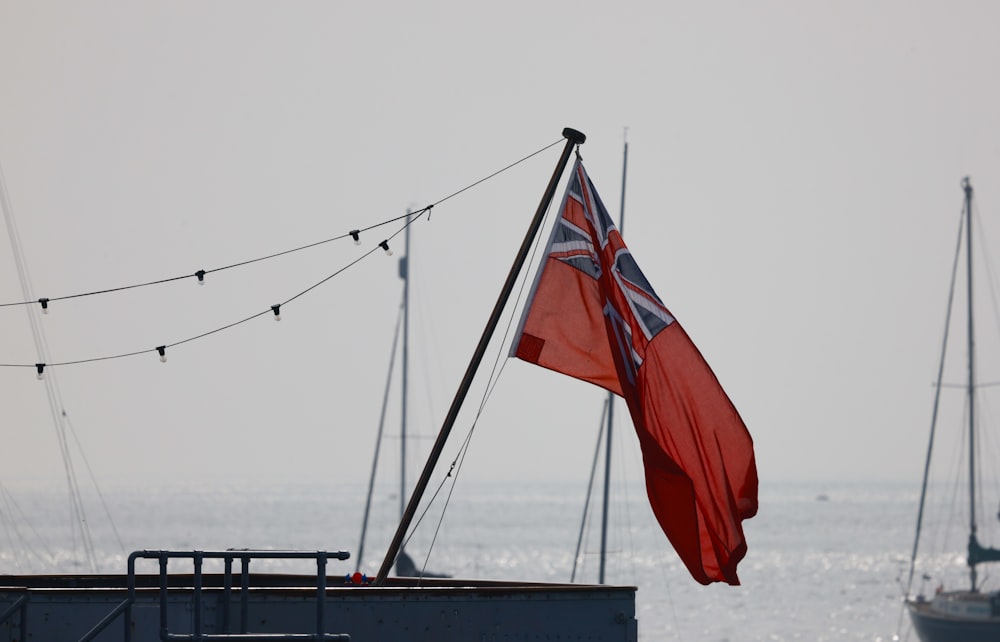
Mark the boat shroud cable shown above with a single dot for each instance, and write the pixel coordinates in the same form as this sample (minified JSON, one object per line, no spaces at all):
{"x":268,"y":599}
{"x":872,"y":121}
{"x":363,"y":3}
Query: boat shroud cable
{"x":573,"y":139}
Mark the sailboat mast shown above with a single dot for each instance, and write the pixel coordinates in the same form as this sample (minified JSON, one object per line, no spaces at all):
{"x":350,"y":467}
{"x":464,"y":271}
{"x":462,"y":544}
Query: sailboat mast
{"x":573,"y":138}
{"x":611,"y":406}
{"x":404,"y":273}
{"x":972,"y":374}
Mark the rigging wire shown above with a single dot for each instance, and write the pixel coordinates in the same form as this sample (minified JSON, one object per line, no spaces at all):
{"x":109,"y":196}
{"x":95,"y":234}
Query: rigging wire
{"x":941,"y":538}
{"x":934,"y":412}
{"x":986,"y":443}
{"x":200,"y":274}
{"x":6,"y":532}
{"x":93,"y":479}
{"x":15,"y":511}
{"x":429,"y":397}
{"x":626,"y":507}
{"x":378,"y":437}
{"x":193,"y":338}
{"x":410,"y":217}
{"x":590,"y":488}
{"x":621,"y":508}
{"x":959,"y":479}
{"x":428,"y":345}
{"x":497,"y":369}
{"x":499,"y":365}
{"x":78,"y":516}
{"x":978,"y":386}
{"x":456,"y":465}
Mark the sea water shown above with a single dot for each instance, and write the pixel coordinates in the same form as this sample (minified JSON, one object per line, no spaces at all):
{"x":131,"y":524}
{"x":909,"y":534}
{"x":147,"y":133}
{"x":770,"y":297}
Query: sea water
{"x":825,"y":562}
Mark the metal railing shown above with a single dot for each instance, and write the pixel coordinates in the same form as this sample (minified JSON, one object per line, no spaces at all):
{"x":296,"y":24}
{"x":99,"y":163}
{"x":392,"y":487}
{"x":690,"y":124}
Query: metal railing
{"x":228,"y":556}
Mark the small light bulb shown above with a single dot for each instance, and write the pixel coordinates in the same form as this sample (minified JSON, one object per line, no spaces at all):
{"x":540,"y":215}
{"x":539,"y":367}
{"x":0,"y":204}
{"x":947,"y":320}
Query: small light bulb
{"x":163,"y":353}
{"x":277,"y":312}
{"x":40,"y":367}
{"x":201,"y":277}
{"x":45,"y":305}
{"x":356,"y":235}
{"x":385,"y":246}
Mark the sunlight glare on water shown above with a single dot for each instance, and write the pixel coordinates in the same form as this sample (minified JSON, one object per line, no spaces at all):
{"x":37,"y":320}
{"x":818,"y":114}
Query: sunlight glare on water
{"x":816,"y":570}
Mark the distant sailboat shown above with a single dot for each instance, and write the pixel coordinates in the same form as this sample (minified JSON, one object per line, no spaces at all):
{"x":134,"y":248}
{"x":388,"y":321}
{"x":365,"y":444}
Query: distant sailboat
{"x":962,"y":615}
{"x":405,"y":566}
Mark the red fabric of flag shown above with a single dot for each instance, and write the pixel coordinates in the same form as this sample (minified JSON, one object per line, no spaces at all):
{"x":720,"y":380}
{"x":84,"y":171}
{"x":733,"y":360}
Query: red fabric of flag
{"x":592,"y":315}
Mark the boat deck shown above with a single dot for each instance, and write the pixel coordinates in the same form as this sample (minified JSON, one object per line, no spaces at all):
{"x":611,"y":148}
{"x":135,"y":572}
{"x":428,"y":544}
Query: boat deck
{"x":273,"y":606}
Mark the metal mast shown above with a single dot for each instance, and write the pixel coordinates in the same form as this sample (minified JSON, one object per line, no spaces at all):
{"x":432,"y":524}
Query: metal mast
{"x":404,"y":273}
{"x":972,"y":377}
{"x":611,"y":407}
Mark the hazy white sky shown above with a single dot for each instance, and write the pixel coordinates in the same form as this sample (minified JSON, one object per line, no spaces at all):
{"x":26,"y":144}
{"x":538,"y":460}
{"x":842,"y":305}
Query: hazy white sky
{"x":793,"y":196}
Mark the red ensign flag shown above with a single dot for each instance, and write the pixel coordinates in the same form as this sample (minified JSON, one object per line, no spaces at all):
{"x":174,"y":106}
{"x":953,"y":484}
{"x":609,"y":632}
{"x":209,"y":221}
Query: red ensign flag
{"x":592,"y":315}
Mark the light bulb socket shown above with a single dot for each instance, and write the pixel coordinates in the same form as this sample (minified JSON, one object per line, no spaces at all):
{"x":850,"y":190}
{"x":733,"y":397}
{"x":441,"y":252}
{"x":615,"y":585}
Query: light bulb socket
{"x":356,"y":235}
{"x":162,"y":350}
{"x":45,"y":305}
{"x":276,"y":308}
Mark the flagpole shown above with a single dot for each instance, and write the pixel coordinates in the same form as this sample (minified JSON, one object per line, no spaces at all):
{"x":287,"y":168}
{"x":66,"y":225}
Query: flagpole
{"x":573,"y":138}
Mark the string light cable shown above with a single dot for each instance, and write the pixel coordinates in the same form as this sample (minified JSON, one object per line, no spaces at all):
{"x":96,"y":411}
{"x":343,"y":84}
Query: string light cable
{"x":354,"y":234}
{"x":161,"y":350}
